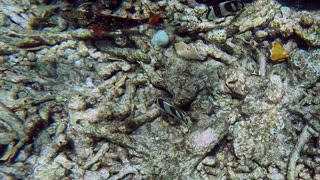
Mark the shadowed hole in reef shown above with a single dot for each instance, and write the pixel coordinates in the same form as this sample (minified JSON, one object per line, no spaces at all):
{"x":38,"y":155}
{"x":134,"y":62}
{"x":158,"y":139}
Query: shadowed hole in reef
{"x":219,"y":147}
{"x":3,"y":148}
{"x":301,"y":4}
{"x":215,"y":2}
{"x":301,"y":43}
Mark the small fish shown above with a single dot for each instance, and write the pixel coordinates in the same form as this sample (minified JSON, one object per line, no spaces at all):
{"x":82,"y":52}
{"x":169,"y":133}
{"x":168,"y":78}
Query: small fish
{"x":101,"y":23}
{"x":173,"y":111}
{"x":222,"y":9}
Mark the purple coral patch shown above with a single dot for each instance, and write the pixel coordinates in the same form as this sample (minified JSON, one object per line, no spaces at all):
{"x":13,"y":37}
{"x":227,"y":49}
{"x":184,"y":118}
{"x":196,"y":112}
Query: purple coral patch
{"x":204,"y":138}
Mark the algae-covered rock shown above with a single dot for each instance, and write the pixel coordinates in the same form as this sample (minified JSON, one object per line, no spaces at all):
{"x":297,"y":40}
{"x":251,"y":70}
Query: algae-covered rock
{"x":74,"y":105}
{"x":306,"y":64}
{"x":7,"y":49}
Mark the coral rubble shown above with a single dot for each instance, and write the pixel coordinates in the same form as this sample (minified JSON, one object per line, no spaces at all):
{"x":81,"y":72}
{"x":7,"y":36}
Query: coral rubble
{"x":78,"y":106}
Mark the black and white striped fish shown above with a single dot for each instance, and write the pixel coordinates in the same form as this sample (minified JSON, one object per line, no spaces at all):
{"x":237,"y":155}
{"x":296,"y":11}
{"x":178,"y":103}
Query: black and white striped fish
{"x":222,"y":9}
{"x":173,"y":111}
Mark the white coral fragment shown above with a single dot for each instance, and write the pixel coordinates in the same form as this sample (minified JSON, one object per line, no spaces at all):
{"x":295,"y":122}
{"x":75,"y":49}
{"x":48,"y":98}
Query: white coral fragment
{"x":217,"y":36}
{"x":105,"y":70}
{"x":191,"y":51}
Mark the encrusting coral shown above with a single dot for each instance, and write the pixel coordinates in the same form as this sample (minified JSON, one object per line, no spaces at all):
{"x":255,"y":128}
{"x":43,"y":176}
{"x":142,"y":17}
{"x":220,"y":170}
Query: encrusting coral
{"x":75,"y":105}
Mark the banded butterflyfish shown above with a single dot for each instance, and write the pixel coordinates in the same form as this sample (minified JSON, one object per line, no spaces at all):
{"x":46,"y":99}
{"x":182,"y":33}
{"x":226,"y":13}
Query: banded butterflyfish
{"x":173,"y":111}
{"x":222,"y":9}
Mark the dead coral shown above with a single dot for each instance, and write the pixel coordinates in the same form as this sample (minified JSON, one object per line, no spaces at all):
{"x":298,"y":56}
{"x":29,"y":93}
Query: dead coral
{"x":19,"y":121}
{"x":16,"y":124}
{"x":100,"y":120}
{"x":303,"y":139}
{"x":236,"y":82}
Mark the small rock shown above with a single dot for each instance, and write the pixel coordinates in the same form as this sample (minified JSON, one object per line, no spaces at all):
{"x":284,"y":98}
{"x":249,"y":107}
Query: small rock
{"x":159,"y":39}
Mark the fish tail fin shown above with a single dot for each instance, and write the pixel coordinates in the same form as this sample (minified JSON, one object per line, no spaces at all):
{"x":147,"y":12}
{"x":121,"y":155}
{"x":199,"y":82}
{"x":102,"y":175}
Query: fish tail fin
{"x":154,"y":19}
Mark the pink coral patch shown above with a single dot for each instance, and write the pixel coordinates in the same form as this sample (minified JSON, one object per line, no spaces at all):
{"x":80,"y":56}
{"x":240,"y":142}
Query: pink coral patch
{"x":204,"y":138}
